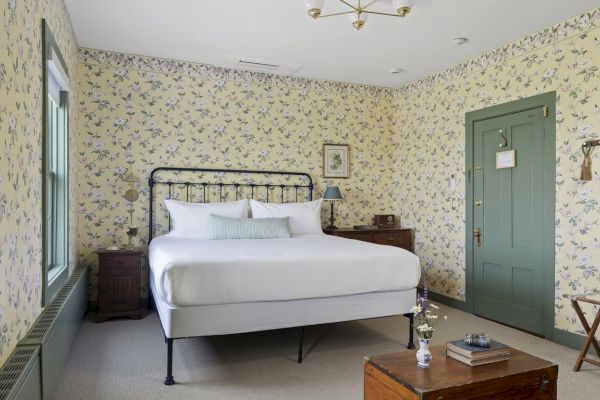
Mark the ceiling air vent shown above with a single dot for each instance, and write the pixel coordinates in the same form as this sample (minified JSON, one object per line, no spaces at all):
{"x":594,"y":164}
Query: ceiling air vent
{"x":248,"y":64}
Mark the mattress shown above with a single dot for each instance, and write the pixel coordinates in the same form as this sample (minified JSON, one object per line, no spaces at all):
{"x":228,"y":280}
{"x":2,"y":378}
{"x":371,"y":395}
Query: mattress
{"x":194,"y":272}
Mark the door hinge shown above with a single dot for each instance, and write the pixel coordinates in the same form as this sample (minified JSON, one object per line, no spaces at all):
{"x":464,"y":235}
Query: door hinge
{"x":546,"y":111}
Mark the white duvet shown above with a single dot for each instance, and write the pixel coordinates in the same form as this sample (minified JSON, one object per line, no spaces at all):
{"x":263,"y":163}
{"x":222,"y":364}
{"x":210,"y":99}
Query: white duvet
{"x":192,"y":272}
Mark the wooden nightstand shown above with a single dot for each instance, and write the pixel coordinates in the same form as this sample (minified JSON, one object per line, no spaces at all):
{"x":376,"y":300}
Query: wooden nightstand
{"x":119,"y":284}
{"x":399,"y":237}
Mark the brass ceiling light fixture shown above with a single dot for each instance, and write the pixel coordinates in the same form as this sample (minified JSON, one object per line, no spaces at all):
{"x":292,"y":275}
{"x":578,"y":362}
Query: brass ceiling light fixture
{"x":358,"y":13}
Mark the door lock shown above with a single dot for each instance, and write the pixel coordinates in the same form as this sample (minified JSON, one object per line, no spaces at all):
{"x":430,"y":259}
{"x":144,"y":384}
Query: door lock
{"x":477,"y":235}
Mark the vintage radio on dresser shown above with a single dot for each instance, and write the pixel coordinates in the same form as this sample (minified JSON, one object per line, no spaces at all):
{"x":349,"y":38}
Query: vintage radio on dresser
{"x":119,"y":284}
{"x":385,"y":220}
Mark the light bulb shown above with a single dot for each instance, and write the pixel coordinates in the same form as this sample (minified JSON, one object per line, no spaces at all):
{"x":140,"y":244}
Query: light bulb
{"x":403,"y":7}
{"x":314,"y":7}
{"x":358,"y":20}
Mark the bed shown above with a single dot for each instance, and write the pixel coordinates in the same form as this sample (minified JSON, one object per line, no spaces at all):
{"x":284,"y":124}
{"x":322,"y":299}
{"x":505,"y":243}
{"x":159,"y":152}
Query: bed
{"x":216,"y":287}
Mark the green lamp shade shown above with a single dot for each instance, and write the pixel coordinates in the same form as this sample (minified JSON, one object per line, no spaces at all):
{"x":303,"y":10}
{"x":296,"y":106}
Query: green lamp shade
{"x":332,"y":193}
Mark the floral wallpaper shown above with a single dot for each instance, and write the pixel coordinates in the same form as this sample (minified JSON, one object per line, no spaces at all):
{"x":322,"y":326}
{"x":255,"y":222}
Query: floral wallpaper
{"x":20,"y":158}
{"x":564,"y":58}
{"x":137,"y":113}
{"x":134,"y":113}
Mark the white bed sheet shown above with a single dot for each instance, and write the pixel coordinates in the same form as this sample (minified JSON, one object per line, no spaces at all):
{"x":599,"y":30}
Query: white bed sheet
{"x":194,"y":272}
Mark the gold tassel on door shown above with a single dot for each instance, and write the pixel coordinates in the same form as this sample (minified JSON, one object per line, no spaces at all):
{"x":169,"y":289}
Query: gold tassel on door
{"x":586,"y":168}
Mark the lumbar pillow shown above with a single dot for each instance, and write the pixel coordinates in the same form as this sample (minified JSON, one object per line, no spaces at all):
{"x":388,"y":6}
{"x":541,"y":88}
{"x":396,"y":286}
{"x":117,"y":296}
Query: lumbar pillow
{"x":305,"y":218}
{"x":191,"y":219}
{"x":245,"y":228}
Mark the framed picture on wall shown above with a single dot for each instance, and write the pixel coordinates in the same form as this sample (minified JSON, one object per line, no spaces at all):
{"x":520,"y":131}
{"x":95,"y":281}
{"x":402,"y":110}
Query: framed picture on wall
{"x":336,"y":160}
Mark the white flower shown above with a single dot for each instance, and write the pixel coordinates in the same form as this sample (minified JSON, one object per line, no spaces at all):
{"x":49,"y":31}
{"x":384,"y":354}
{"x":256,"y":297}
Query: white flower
{"x":119,"y":121}
{"x":416,"y":309}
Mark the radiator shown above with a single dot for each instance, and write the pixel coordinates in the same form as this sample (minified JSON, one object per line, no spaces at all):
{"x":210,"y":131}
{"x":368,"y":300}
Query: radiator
{"x":35,"y":374}
{"x":20,"y":376}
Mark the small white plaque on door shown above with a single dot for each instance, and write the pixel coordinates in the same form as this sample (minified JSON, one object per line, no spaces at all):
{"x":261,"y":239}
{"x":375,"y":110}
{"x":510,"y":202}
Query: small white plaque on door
{"x":505,"y":159}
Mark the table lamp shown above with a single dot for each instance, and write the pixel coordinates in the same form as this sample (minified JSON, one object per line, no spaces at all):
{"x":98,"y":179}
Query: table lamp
{"x":332,"y":193}
{"x":131,"y":195}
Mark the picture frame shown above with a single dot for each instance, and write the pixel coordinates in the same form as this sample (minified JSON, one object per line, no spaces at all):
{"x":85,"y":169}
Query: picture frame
{"x":336,"y":160}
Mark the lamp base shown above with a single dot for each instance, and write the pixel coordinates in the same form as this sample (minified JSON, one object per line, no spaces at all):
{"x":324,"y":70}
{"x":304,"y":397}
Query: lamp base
{"x":330,"y":227}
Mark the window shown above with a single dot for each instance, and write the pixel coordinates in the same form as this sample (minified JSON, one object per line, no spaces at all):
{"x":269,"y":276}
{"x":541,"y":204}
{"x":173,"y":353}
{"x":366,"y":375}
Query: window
{"x":55,"y":169}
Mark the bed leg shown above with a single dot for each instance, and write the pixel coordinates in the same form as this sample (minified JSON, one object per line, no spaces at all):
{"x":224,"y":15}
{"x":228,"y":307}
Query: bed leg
{"x":411,"y":319}
{"x":300,"y":345}
{"x":169,"y":379}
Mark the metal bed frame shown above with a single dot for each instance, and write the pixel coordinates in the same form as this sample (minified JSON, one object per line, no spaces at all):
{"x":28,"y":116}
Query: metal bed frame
{"x":308,"y":186}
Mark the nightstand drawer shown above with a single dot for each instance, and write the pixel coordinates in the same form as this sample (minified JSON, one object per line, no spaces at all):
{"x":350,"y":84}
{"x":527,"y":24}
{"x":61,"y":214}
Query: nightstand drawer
{"x":122,"y":262}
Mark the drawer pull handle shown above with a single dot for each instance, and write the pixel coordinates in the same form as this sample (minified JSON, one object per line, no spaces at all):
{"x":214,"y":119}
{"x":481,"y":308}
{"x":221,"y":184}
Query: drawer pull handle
{"x":544,"y":383}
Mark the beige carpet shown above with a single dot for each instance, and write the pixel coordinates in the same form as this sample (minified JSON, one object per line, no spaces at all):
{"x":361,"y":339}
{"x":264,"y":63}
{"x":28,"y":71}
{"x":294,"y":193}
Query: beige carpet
{"x":124,"y":359}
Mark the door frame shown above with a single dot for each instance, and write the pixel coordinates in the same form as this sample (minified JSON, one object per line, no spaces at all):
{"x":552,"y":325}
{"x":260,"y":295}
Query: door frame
{"x":548,"y":100}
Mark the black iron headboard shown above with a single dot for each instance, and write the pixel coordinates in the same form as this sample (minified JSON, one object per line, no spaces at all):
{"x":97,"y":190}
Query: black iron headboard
{"x":299,"y":181}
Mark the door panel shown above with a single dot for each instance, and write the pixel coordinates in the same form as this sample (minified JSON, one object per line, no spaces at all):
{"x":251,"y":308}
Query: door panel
{"x":508,"y":270}
{"x":522,"y":187}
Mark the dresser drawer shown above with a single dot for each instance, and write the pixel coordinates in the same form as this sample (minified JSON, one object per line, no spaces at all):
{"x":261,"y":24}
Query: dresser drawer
{"x":365,"y":237}
{"x":397,"y":238}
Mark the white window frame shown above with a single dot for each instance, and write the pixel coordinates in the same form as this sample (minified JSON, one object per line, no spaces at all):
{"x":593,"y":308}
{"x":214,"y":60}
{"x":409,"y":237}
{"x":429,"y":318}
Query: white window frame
{"x":55,"y":156}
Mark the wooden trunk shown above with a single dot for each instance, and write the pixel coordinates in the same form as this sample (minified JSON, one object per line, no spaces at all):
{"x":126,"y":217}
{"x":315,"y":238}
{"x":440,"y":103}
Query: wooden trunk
{"x":397,"y":377}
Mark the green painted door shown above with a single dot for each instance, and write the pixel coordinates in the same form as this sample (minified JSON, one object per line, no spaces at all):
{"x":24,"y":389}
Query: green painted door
{"x":508,"y":211}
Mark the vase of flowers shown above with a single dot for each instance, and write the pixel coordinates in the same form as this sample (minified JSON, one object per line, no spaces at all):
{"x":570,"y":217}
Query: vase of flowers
{"x":424,"y":318}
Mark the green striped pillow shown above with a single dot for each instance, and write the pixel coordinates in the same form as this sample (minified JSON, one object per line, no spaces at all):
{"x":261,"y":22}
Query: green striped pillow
{"x":247,"y":228}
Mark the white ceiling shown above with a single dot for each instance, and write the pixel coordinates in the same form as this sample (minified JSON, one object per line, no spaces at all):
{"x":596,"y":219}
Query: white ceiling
{"x":280,"y":31}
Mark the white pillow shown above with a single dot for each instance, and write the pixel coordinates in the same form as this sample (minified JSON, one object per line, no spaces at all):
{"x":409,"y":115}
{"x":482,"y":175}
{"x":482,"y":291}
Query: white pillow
{"x":191,"y":219}
{"x":305,"y":218}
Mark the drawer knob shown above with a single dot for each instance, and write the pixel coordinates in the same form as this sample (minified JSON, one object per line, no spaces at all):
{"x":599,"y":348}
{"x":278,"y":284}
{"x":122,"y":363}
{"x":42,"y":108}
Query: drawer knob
{"x":544,"y":383}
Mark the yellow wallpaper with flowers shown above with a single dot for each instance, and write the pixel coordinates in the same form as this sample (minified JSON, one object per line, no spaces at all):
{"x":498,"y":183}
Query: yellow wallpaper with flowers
{"x":137,"y":113}
{"x":20,"y":158}
{"x":430,"y":149}
{"x":140,"y":112}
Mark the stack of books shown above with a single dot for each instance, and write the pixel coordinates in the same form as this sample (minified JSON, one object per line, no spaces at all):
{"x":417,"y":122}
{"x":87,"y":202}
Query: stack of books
{"x":474,"y":355}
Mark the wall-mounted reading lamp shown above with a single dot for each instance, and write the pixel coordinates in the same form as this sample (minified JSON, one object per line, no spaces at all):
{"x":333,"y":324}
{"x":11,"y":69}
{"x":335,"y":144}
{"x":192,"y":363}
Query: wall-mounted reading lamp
{"x":586,"y":168}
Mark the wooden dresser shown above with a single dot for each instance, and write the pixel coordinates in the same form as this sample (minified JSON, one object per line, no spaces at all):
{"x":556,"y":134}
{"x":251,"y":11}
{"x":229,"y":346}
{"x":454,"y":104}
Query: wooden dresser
{"x":399,"y":237}
{"x":396,"y":376}
{"x":119,"y":284}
